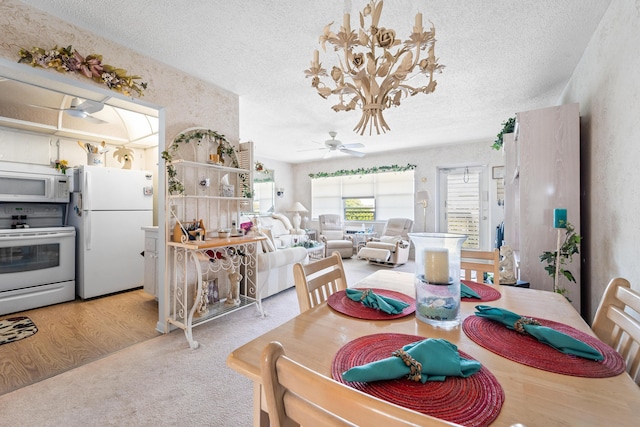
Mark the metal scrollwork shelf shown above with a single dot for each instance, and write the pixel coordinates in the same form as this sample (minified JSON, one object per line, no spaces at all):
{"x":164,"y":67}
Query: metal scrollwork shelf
{"x":232,"y":260}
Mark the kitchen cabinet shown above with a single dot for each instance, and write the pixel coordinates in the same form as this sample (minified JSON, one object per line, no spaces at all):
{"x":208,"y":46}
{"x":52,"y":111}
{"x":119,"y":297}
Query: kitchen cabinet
{"x":542,"y":173}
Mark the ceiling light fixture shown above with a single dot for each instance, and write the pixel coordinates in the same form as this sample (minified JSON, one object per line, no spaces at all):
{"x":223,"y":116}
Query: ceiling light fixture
{"x":371,"y":74}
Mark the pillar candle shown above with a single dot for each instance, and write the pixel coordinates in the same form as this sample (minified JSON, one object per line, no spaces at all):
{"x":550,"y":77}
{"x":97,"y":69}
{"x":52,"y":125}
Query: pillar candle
{"x":436,"y":265}
{"x":559,"y":218}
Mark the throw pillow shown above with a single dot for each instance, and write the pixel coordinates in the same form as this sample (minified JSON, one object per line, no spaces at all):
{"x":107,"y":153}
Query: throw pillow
{"x":284,"y":220}
{"x":267,"y":243}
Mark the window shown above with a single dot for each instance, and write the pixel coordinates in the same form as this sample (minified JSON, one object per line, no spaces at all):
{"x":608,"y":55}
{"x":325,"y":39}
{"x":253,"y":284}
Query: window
{"x":368,"y":197}
{"x":362,"y":209}
{"x":461,"y":206}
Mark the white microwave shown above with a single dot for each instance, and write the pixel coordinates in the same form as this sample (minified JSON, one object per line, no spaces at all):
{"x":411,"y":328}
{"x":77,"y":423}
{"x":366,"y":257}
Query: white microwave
{"x":33,"y":184}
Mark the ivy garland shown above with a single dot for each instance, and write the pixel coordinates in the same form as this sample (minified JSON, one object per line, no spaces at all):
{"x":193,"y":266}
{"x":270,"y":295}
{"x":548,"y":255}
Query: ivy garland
{"x":225,"y":149}
{"x":363,"y":171}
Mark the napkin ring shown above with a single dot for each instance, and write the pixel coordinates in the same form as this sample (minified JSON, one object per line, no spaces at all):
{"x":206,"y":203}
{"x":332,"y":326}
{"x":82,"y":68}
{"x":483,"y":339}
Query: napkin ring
{"x":519,"y":325}
{"x":415,"y":367}
{"x":365,"y":294}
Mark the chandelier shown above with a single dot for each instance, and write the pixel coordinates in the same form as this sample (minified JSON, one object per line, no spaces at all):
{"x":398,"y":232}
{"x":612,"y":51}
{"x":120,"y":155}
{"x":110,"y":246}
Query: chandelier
{"x":375,"y":67}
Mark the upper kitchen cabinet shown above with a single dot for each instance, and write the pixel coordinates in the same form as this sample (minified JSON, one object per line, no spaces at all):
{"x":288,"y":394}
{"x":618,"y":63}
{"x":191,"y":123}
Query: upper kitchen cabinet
{"x":542,"y":173}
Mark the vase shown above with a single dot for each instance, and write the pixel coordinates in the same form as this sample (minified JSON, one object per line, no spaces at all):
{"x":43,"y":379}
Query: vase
{"x":437,"y":277}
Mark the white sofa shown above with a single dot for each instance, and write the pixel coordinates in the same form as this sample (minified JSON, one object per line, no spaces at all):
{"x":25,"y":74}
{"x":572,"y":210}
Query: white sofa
{"x":276,"y":259}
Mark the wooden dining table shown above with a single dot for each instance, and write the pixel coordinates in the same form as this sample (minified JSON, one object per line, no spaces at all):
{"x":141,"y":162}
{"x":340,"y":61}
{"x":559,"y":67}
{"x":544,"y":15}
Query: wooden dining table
{"x":533,"y":397}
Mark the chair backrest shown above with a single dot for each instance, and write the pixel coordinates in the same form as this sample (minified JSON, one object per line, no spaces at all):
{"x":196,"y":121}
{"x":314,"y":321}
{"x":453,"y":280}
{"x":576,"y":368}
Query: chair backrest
{"x":297,"y":395}
{"x":398,"y":227}
{"x":480,"y":262}
{"x":330,"y":222}
{"x":617,"y":323}
{"x":319,"y":279}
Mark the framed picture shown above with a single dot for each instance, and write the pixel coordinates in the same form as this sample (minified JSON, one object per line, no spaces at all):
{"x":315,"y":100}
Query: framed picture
{"x":498,"y":172}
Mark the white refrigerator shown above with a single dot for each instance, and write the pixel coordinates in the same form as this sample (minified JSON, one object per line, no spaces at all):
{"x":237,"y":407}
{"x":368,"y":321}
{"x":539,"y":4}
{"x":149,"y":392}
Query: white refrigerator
{"x":108,"y":208}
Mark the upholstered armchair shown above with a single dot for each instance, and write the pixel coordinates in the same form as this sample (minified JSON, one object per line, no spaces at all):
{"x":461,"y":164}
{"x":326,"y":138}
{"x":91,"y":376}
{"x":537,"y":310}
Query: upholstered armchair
{"x":391,"y":249}
{"x":333,"y":236}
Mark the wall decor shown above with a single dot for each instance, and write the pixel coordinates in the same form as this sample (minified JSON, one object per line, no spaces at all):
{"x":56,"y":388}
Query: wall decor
{"x":69,"y":60}
{"x":497,"y":172}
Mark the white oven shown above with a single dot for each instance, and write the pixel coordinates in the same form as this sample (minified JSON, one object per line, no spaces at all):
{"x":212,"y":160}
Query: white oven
{"x":37,"y":267}
{"x":37,"y":248}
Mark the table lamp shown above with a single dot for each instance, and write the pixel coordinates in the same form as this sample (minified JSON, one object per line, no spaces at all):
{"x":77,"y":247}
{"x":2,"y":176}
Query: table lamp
{"x":296,"y":209}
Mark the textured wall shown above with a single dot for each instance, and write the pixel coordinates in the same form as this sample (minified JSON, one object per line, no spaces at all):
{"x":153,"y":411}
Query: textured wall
{"x":188,"y":101}
{"x":605,"y":85}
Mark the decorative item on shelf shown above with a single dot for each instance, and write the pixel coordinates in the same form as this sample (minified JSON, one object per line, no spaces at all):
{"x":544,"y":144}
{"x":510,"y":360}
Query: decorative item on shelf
{"x":225,"y":149}
{"x":564,"y":251}
{"x":61,"y":166}
{"x":124,"y":154}
{"x":213,"y":294}
{"x":376,"y":81}
{"x":67,"y":59}
{"x":233,"y":298}
{"x":508,"y":126}
{"x":437,"y":277}
{"x":226,"y":189}
{"x":194,"y":230}
{"x":94,"y":152}
{"x":259,"y":167}
{"x":296,"y":209}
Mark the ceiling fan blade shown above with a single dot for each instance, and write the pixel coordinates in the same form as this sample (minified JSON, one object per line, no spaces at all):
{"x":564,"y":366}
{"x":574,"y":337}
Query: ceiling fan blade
{"x":44,"y":108}
{"x":353,"y":153}
{"x":89,"y":106}
{"x":94,"y":120}
{"x":354,"y":145}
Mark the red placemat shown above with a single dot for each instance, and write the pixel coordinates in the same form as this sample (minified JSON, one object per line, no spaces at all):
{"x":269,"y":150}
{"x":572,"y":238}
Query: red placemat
{"x":486,"y":292}
{"x":525,"y":349}
{"x":472,"y":401}
{"x":341,"y":303}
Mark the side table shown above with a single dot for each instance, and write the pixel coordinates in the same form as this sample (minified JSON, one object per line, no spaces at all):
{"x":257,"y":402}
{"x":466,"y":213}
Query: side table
{"x":316,"y":252}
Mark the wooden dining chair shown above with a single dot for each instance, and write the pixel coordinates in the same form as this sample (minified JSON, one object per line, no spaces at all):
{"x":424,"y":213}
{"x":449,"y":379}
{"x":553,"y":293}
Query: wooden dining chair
{"x":480,"y":262}
{"x":296,"y":395}
{"x":617,"y":323}
{"x":319,"y":279}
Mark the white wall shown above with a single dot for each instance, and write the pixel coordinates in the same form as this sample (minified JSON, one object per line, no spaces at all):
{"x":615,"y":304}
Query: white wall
{"x":426,"y":159}
{"x":605,"y":83}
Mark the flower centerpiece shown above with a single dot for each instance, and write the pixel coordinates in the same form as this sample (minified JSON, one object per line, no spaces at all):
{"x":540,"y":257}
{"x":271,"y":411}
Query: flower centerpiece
{"x":61,"y":165}
{"x":67,"y":59}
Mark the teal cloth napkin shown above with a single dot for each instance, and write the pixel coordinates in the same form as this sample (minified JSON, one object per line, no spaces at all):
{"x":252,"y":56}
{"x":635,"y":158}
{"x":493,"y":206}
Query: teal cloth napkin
{"x":439,"y":359}
{"x":379,"y":302}
{"x":556,"y":339}
{"x":467,"y":292}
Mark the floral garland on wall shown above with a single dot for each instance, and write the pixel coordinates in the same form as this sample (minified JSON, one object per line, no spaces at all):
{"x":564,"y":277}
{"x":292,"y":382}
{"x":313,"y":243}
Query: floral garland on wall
{"x":225,"y":149}
{"x":68,"y":60}
{"x":363,"y":171}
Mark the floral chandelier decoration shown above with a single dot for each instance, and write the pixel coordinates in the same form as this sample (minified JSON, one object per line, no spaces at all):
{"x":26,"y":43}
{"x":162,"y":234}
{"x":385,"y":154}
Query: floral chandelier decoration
{"x":374,"y":66}
{"x":67,"y":59}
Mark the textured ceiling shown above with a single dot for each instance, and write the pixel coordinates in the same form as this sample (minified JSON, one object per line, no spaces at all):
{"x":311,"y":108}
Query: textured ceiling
{"x":501,"y":57}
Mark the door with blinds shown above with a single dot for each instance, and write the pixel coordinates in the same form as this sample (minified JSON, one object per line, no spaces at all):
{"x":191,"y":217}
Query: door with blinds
{"x":463,"y":204}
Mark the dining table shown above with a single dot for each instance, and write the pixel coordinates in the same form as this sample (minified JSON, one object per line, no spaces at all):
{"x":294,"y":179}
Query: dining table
{"x":531,"y":396}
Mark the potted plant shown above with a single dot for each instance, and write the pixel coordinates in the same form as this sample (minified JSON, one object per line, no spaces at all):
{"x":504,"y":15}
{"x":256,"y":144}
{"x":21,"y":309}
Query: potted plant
{"x":508,"y":126}
{"x":569,"y":247}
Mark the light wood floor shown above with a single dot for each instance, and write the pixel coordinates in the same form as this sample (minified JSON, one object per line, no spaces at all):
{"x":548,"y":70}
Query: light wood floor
{"x":75,"y":333}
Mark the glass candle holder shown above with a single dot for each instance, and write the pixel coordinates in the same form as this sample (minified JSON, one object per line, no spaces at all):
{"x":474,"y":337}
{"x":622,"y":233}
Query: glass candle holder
{"x":437,"y":277}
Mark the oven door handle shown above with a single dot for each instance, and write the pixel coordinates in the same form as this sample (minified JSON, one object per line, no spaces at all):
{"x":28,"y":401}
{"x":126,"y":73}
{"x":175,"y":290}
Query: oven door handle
{"x":34,"y":235}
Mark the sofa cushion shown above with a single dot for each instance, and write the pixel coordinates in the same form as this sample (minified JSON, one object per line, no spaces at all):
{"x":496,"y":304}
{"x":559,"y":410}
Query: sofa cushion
{"x":381,"y":245}
{"x":266,"y":244}
{"x":333,"y":234}
{"x":390,"y":239}
{"x":285,"y":221}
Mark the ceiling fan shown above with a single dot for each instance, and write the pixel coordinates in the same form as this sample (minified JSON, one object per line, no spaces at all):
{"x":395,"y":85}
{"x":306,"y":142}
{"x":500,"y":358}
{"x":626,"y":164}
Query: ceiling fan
{"x":333,"y":146}
{"x":80,"y":110}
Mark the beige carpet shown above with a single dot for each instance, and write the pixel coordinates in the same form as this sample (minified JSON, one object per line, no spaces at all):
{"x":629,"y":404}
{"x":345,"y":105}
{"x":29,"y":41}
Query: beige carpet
{"x":160,"y":382}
